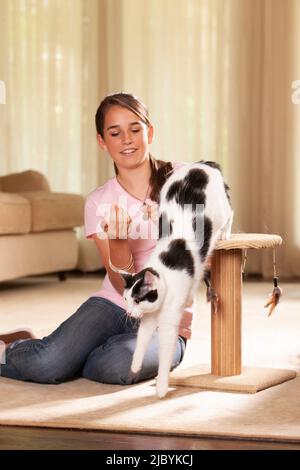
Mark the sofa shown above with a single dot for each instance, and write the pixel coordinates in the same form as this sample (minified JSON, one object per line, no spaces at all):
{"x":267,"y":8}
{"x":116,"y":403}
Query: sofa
{"x":37,"y":226}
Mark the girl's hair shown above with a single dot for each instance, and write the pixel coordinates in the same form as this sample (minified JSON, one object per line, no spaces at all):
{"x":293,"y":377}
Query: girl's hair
{"x":160,"y":170}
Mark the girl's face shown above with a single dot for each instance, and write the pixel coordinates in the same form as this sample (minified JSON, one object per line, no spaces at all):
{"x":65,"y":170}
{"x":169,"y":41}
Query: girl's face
{"x":126,"y":137}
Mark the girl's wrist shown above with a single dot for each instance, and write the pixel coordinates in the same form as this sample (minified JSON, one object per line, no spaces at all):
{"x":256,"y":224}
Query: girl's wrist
{"x":127,"y":267}
{"x":120,"y":255}
{"x":118,"y":242}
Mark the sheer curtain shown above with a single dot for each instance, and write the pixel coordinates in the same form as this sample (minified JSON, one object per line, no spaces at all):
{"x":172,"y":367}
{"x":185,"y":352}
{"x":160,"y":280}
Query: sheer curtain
{"x":170,"y":56}
{"x":195,"y":64}
{"x":280,"y":133}
{"x":49,"y":65}
{"x":216,"y":76}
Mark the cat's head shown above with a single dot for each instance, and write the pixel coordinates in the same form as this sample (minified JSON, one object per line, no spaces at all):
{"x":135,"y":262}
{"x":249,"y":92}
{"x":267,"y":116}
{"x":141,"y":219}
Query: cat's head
{"x":143,"y":292}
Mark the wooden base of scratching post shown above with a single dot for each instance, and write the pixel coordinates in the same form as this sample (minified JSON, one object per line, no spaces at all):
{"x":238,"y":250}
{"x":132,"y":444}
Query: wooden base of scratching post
{"x":226,"y":372}
{"x":251,"y":379}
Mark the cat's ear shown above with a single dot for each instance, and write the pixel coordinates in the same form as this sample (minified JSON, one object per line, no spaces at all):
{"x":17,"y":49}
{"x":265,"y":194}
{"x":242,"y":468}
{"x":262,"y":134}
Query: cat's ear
{"x":150,"y":279}
{"x":127,"y":278}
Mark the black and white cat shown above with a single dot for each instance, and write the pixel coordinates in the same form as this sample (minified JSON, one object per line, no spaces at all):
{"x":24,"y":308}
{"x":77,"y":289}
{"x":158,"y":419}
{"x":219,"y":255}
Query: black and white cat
{"x":194,"y":212}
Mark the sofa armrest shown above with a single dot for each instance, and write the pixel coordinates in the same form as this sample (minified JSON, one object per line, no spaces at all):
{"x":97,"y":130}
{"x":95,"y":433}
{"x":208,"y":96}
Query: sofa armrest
{"x":29,"y":180}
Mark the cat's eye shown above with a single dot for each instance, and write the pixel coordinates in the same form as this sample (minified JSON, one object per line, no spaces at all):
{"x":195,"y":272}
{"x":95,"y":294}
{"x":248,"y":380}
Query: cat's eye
{"x":136,"y":301}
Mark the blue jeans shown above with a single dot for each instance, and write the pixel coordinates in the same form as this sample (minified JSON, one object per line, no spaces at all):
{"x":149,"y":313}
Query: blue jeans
{"x":97,"y":342}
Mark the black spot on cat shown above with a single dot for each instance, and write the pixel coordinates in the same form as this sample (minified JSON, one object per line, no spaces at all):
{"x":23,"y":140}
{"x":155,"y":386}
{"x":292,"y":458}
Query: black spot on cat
{"x":227,"y":189}
{"x":206,"y":238}
{"x":198,"y":226}
{"x":151,"y":296}
{"x":137,"y":285}
{"x":128,"y":278}
{"x":197,"y":178}
{"x":218,"y":167}
{"x":178,"y":257}
{"x":211,"y":164}
{"x":189,"y":190}
{"x":173,"y":190}
{"x":165,"y":226}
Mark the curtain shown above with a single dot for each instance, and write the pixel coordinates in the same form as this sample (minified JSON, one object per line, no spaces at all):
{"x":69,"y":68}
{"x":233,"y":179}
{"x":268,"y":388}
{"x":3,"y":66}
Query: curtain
{"x":216,"y":76}
{"x":170,"y":57}
{"x":279,"y":143}
{"x":49,"y":63}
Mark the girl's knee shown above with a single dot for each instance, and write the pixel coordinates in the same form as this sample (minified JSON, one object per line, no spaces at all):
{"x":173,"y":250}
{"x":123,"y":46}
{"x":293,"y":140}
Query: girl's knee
{"x":111,"y":362}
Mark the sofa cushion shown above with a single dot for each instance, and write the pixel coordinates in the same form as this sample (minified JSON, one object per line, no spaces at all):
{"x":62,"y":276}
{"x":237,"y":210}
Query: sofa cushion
{"x":54,"y":211}
{"x":15,"y":214}
{"x":37,"y":253}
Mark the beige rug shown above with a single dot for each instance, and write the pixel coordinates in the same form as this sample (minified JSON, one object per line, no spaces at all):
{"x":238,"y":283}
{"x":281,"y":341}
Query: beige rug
{"x":41,"y":303}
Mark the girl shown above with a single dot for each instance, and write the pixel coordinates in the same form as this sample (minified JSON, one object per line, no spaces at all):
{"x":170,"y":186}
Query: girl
{"x":98,"y":341}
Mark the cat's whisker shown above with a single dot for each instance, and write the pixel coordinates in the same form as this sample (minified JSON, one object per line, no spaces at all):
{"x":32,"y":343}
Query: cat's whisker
{"x":126,"y":319}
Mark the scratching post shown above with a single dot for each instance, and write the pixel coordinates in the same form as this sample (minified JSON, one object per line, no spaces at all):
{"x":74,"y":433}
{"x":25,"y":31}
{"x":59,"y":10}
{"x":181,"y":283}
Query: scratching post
{"x":226,"y":324}
{"x":226,"y":372}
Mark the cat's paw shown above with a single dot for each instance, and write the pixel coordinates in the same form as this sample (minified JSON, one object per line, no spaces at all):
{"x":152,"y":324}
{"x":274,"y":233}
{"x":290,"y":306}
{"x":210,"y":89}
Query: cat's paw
{"x":161,"y":388}
{"x":225,"y":235}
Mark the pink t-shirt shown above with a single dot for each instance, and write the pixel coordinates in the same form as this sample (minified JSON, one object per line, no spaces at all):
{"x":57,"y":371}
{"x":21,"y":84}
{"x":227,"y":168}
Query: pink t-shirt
{"x":142,"y":237}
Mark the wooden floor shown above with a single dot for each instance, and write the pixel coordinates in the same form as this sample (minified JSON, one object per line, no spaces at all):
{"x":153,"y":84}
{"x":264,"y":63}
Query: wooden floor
{"x":21,"y":438}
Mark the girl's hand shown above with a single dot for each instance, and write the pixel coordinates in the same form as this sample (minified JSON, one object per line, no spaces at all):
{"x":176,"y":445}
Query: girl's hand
{"x":119,"y":223}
